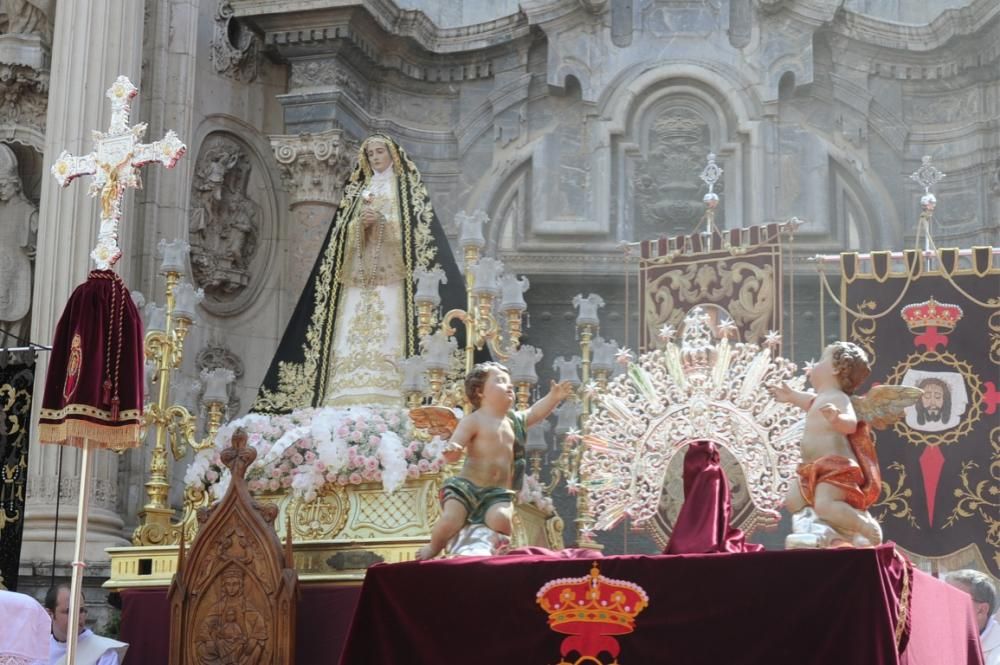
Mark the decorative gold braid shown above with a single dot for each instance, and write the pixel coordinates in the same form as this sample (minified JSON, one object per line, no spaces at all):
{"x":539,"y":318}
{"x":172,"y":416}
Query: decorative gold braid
{"x":904,"y":600}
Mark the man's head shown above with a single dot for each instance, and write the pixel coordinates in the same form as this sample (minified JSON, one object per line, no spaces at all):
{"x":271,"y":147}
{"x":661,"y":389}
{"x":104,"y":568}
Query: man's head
{"x":981,"y":588}
{"x":489,"y":383}
{"x":935,"y":404}
{"x":57,"y":605}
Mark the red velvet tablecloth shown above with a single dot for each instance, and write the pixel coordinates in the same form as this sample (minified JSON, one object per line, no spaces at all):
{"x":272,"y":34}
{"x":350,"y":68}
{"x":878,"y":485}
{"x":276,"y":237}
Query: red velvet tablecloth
{"x":819,"y":606}
{"x":816,"y":607}
{"x":322,"y":619}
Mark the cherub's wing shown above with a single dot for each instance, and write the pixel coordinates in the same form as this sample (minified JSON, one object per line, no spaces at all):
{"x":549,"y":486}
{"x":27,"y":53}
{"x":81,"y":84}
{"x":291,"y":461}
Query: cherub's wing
{"x":438,"y":420}
{"x":883,"y":405}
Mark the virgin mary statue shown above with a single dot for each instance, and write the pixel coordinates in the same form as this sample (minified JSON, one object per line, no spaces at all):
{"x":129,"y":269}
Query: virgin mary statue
{"x":356,"y":318}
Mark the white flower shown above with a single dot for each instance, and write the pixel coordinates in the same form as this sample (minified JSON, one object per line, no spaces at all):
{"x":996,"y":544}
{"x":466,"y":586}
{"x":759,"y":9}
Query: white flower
{"x":772,"y":339}
{"x":393,"y":459}
{"x":667,"y":332}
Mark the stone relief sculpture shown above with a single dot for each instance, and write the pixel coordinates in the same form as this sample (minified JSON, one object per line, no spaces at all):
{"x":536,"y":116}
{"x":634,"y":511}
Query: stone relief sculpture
{"x":225,"y":221}
{"x":18,"y":229}
{"x":235,"y":50}
{"x":667,"y":190}
{"x":27,"y":17}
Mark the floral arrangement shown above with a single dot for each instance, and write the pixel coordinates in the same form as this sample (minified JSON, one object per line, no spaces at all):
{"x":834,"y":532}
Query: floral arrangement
{"x":310,"y":448}
{"x":533,"y":493}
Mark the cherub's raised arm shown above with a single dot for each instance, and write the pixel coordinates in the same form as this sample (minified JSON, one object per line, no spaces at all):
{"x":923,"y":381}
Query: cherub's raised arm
{"x":541,"y":409}
{"x":799,"y":398}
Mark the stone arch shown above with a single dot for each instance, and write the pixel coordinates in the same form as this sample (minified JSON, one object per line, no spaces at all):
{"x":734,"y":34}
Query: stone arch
{"x":509,"y":208}
{"x":667,"y":118}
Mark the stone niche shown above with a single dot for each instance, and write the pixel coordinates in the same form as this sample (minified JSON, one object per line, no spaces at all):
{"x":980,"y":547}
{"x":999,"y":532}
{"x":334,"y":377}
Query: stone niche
{"x":661,"y":157}
{"x":232,"y":223}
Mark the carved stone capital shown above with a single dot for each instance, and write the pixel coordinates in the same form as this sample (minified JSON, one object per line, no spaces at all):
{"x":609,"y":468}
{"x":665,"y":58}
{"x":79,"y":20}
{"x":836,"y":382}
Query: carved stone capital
{"x":314,"y":166}
{"x":24,"y":89}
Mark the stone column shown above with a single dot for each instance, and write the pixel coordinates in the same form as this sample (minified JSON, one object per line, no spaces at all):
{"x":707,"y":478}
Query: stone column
{"x":313,"y":170}
{"x":94,"y":42}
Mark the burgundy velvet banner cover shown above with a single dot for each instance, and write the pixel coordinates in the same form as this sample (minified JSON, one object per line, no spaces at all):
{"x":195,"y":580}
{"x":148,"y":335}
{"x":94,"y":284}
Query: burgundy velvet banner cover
{"x":703,"y":524}
{"x":817,"y":606}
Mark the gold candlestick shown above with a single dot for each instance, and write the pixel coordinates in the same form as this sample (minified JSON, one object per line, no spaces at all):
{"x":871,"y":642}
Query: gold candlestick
{"x":166,"y":349}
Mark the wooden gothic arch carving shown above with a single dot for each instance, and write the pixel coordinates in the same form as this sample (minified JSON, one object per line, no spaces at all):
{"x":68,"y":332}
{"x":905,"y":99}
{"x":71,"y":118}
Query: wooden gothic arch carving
{"x":233,"y":599}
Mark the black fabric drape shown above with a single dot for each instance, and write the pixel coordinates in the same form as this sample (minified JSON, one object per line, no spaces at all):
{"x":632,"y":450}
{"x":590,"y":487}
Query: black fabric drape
{"x":17,"y":380}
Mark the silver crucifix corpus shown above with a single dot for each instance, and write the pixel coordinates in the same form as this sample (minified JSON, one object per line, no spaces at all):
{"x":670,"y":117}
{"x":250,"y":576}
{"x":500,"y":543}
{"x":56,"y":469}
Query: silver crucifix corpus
{"x":115,"y":163}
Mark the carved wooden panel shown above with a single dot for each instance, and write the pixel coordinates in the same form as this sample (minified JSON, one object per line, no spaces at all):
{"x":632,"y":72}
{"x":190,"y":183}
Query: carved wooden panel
{"x":233,"y":599}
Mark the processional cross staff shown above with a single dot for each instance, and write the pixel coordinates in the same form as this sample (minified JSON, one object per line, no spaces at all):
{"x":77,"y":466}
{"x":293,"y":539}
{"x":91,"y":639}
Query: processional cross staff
{"x":114,"y":163}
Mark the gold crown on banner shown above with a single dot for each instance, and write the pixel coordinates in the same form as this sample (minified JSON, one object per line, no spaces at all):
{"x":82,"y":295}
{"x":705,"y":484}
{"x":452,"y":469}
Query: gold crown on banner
{"x":594,"y":599}
{"x":931,"y":314}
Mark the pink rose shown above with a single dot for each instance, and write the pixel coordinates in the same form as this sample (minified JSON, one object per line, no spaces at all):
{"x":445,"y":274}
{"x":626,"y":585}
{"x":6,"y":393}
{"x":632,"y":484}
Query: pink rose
{"x":374,"y":440}
{"x":382,"y":427}
{"x":412,"y":471}
{"x":211,"y":476}
{"x":355,"y":478}
{"x":320,"y":466}
{"x":297,"y":459}
{"x":275,"y":472}
{"x":424,"y":466}
{"x":341,"y":480}
{"x":342,"y":431}
{"x":371,"y":464}
{"x":310,"y":456}
{"x":274,"y":485}
{"x":355,"y":436}
{"x":286,"y":482}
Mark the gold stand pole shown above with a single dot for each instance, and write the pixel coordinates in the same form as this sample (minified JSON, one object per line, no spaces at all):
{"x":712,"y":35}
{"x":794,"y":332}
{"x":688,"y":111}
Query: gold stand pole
{"x":584,"y":519}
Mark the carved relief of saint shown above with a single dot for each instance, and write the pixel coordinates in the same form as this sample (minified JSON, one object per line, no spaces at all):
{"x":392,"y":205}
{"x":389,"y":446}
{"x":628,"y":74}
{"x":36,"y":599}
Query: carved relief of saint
{"x":225,"y":221}
{"x":943,"y":403}
{"x":233,"y":632}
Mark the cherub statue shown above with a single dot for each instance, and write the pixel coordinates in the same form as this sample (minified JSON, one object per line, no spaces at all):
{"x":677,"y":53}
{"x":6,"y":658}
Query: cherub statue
{"x":839,"y":476}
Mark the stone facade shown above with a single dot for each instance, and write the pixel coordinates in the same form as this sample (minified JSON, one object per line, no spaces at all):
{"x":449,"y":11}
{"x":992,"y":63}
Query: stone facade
{"x":576,"y":125}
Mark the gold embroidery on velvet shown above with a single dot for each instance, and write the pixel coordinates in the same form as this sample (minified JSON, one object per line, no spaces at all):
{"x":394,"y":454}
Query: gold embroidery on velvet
{"x":73,"y":367}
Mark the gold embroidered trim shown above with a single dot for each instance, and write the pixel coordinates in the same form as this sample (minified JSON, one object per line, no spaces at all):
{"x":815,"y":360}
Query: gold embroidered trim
{"x":89,"y":412}
{"x":904,"y":600}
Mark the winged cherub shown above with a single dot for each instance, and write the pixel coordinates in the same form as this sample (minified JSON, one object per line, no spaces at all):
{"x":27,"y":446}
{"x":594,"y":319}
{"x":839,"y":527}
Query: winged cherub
{"x":839,"y":476}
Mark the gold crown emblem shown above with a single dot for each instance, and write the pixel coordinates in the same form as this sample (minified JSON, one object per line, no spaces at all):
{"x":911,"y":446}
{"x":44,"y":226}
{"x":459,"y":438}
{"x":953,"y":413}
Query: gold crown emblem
{"x":931,"y":314}
{"x":576,"y":604}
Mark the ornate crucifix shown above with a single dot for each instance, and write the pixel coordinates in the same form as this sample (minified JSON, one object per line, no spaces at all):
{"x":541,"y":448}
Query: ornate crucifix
{"x":115,"y":164}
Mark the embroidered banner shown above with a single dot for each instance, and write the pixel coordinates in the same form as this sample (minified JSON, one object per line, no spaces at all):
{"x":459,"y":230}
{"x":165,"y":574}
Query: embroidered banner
{"x":737,"y":271}
{"x":16,"y":381}
{"x":938,"y":329}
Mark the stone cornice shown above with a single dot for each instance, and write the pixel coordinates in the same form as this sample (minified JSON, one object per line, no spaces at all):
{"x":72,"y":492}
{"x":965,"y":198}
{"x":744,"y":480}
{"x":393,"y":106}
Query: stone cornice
{"x":304,"y":21}
{"x":952,"y":23}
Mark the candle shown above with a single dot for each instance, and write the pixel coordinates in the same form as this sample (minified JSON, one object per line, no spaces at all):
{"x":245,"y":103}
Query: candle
{"x":174,"y":255}
{"x":471,"y":229}
{"x":522,"y":364}
{"x":429,"y":285}
{"x":486,"y":276}
{"x":414,"y":380}
{"x":185,"y":300}
{"x":587,"y":314}
{"x":536,"y":437}
{"x":437,"y":350}
{"x":156,"y":317}
{"x":513,"y":290}
{"x":217,"y":384}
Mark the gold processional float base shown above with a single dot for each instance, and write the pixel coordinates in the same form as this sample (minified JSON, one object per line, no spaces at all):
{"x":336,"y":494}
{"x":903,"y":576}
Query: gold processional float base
{"x":337,"y":536}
